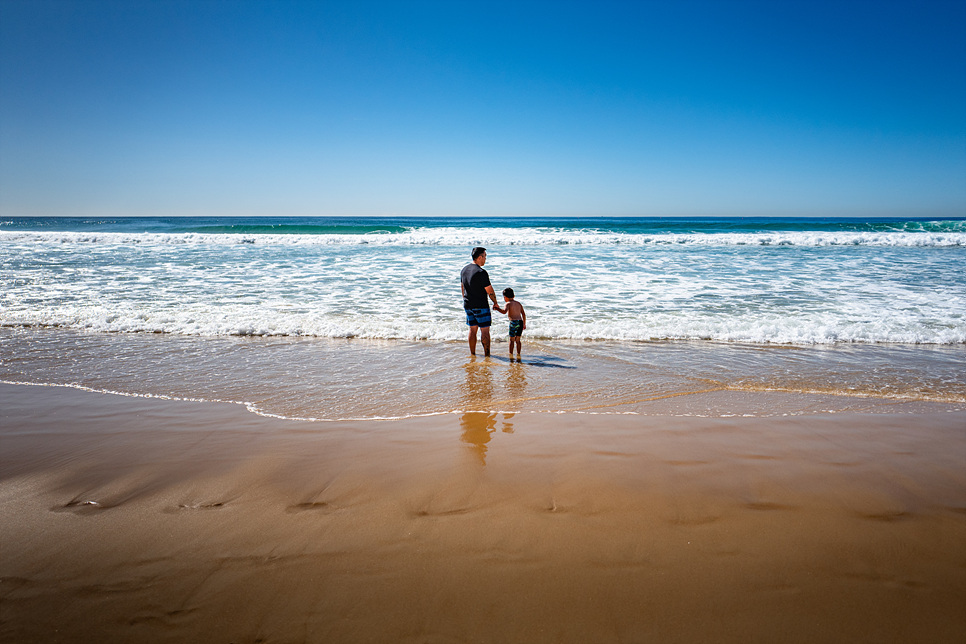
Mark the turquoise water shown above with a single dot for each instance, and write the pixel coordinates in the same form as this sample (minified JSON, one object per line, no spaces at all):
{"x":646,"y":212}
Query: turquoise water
{"x":356,"y":225}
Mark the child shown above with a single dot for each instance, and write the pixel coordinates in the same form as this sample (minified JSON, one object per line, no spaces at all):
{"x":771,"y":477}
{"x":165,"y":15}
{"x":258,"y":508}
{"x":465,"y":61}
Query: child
{"x":518,"y":319}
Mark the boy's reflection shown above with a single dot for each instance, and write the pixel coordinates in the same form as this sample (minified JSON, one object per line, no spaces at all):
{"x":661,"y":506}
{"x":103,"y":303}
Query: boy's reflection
{"x":516,"y":384}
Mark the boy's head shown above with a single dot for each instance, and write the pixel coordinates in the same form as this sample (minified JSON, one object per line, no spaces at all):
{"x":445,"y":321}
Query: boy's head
{"x":508,"y":293}
{"x":479,"y":250}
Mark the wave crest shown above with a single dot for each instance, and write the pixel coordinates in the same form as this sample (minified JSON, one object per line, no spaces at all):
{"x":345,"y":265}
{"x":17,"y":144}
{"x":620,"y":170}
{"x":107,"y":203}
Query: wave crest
{"x":796,"y":330}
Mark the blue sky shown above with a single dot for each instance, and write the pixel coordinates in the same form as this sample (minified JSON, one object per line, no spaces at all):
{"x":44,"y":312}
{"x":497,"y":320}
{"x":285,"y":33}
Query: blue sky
{"x":482,"y":108}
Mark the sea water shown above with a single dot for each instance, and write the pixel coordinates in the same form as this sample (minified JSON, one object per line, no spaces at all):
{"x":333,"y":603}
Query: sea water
{"x":362,"y":318}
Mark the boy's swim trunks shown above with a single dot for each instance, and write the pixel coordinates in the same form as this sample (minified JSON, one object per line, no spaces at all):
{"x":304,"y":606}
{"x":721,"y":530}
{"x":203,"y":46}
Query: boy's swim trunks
{"x":516,"y":328}
{"x":478,"y":317}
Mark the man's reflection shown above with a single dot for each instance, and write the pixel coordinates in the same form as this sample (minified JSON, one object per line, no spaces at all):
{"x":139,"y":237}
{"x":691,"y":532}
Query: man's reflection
{"x":478,"y":428}
{"x":477,"y":387}
{"x":478,"y":423}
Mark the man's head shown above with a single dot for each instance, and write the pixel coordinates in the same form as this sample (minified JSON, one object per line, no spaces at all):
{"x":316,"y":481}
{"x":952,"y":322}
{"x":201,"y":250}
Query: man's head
{"x":479,"y":255}
{"x":508,"y":293}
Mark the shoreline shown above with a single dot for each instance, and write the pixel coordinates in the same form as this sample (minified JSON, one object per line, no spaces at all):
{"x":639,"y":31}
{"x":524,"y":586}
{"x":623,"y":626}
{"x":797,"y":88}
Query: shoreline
{"x":806,"y":403}
{"x":328,"y":379}
{"x":138,"y":519}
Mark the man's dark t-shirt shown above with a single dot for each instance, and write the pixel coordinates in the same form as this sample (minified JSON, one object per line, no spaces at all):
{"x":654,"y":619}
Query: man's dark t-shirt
{"x":475,"y":280}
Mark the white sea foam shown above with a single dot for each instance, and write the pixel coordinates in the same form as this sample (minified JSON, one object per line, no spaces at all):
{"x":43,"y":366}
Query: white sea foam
{"x":249,"y":406}
{"x":797,"y":329}
{"x":465,"y":237}
{"x":820,"y":288}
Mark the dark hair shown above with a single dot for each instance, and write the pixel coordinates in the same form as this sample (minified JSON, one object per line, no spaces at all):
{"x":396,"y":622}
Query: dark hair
{"x":479,"y":250}
{"x":508,"y":292}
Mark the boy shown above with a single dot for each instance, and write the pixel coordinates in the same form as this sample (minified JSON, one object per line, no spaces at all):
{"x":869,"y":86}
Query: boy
{"x":518,"y":319}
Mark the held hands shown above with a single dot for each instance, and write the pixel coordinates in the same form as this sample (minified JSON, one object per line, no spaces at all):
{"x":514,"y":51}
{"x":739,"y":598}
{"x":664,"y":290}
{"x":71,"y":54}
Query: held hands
{"x":496,"y":307}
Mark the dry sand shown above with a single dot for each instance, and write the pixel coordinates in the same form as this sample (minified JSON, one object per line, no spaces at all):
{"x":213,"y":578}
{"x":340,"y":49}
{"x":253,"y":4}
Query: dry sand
{"x":144,"y":520}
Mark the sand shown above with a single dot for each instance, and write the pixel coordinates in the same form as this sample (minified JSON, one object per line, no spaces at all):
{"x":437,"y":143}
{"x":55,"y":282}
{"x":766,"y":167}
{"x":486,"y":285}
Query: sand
{"x":135,"y":519}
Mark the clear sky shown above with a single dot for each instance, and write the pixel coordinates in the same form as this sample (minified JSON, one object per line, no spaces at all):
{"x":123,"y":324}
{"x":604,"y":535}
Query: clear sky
{"x":482,"y":108}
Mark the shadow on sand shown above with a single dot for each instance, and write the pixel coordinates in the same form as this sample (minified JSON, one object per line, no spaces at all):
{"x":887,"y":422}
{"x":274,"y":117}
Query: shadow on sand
{"x":535,"y":361}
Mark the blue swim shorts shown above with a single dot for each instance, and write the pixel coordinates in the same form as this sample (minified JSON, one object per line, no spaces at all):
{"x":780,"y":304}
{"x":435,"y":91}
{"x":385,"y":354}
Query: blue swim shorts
{"x":516,"y":328}
{"x":478,"y":317}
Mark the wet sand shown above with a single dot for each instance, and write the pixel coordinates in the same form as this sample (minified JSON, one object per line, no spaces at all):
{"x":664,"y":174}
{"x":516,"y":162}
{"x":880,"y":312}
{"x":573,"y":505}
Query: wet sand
{"x":135,"y":519}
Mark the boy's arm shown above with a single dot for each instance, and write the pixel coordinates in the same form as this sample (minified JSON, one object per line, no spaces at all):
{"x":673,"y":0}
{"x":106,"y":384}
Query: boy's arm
{"x":523,"y":312}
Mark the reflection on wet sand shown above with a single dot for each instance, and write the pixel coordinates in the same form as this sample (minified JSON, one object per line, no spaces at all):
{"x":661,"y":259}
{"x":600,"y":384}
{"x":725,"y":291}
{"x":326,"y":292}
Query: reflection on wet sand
{"x":516,"y":390}
{"x":479,"y":422}
{"x":478,"y":428}
{"x":507,"y":425}
{"x":477,"y":387}
{"x":516,"y":384}
{"x":138,"y":519}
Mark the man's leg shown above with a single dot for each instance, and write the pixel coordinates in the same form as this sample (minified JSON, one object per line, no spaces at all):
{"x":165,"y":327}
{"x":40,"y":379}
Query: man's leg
{"x":472,"y":340}
{"x":485,"y":339}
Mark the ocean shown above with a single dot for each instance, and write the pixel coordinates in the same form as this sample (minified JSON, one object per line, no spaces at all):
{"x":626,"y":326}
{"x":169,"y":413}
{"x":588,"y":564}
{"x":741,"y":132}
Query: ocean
{"x":336,"y":318}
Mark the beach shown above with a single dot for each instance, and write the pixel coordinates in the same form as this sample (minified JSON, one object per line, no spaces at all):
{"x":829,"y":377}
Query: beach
{"x":258,"y":262}
{"x":131,"y":518}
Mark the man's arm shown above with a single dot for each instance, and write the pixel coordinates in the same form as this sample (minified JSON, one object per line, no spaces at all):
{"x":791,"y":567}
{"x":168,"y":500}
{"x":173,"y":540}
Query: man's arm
{"x":489,"y":291}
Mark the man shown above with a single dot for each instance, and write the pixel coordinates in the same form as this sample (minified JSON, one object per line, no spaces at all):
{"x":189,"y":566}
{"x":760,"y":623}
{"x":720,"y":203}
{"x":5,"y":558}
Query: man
{"x":475,"y":283}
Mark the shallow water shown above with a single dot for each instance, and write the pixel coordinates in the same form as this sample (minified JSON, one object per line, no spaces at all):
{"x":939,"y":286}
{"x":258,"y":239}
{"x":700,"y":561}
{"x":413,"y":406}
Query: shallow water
{"x":331,"y":379}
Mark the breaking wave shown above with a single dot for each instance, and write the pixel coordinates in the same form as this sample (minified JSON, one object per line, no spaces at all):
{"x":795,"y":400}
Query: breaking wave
{"x":501,"y":237}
